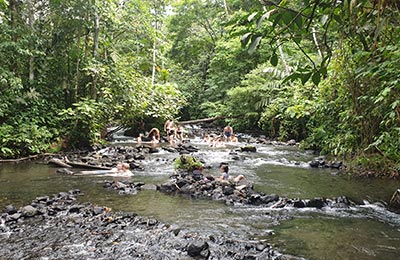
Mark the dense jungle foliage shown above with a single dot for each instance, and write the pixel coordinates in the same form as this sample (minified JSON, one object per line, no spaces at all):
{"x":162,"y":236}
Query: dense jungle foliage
{"x":323,"y":72}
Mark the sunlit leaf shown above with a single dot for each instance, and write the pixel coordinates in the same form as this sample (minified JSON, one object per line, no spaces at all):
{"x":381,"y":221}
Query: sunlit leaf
{"x":254,"y":44}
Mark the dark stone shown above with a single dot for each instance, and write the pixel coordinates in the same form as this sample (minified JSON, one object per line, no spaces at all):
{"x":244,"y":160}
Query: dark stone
{"x":181,"y":182}
{"x":314,"y":164}
{"x":316,"y":203}
{"x":153,"y":150}
{"x":336,"y":165}
{"x":248,"y":148}
{"x":270,"y":198}
{"x":199,"y":249}
{"x":228,"y":190}
{"x":299,"y":204}
{"x":10,"y":209}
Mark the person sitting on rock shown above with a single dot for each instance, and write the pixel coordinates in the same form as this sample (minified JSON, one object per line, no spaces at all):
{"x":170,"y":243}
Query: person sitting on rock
{"x":226,"y":177}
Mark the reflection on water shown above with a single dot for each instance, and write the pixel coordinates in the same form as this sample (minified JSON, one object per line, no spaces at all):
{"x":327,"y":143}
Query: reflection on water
{"x":368,"y":231}
{"x":320,"y":238}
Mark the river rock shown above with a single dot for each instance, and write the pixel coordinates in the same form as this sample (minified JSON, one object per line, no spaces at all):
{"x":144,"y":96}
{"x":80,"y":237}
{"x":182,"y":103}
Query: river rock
{"x":316,"y":203}
{"x":248,"y":148}
{"x":10,"y":209}
{"x":199,"y":249}
{"x":29,"y":211}
{"x":74,"y":230}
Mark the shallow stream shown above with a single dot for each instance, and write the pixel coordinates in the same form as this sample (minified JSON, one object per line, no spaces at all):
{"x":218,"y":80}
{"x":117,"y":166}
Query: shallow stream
{"x":362,"y":232}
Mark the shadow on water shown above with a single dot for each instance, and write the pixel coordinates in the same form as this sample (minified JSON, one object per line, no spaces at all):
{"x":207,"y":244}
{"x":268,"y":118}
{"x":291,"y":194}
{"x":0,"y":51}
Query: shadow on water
{"x":368,"y":232}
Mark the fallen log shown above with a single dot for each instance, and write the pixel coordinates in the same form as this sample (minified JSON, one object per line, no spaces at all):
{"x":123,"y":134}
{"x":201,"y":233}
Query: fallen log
{"x":59,"y":162}
{"x":20,"y":159}
{"x":203,"y":120}
{"x":89,"y":166}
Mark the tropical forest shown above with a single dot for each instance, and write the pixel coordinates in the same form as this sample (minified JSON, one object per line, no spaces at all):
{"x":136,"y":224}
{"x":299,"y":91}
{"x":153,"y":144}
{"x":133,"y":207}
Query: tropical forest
{"x":295,"y":81}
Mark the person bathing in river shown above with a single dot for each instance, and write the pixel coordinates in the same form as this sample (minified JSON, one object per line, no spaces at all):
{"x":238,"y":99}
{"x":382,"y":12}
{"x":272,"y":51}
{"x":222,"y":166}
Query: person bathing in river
{"x":228,"y":131}
{"x":233,"y":139}
{"x":179,"y":133}
{"x":226,"y":177}
{"x":122,"y":169}
{"x":169,"y":128}
{"x":155,"y":135}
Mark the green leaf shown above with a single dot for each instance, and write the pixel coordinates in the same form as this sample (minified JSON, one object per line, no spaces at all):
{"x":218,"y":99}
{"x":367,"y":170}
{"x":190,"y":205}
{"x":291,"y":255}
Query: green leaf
{"x":254,"y":44}
{"x":287,"y":17}
{"x":262,"y":18}
{"x":245,"y":38}
{"x":299,"y":21}
{"x":316,"y":78}
{"x":274,"y":59}
{"x":291,"y":77}
{"x":251,"y":17}
{"x":305,"y":77}
{"x":277,"y":19}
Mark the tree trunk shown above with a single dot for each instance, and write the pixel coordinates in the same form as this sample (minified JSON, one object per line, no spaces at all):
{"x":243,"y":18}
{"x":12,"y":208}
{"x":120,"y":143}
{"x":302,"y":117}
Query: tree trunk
{"x":93,"y":89}
{"x":314,"y":34}
{"x":31,"y":21}
{"x":282,"y":55}
{"x":226,"y":7}
{"x":153,"y":74}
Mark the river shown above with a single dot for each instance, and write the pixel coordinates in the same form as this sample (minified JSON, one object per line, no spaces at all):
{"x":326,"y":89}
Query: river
{"x":362,"y":232}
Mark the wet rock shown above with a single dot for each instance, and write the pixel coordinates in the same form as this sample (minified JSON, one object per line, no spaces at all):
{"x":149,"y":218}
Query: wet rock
{"x":123,"y":187}
{"x":248,"y":148}
{"x":299,"y":204}
{"x":15,"y":216}
{"x":316,"y":203}
{"x":321,"y":163}
{"x":29,"y":211}
{"x":97,"y":210}
{"x":64,"y":171}
{"x":199,"y":249}
{"x":10,"y":209}
{"x":270,"y":198}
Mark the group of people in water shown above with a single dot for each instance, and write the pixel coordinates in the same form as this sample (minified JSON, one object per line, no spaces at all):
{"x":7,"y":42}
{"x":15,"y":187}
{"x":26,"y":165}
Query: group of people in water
{"x":174,"y":133}
{"x":224,"y":177}
{"x":219,"y":140}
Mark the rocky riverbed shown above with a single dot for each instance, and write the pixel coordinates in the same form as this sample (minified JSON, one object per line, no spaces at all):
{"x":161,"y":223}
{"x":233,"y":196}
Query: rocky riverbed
{"x":60,"y":227}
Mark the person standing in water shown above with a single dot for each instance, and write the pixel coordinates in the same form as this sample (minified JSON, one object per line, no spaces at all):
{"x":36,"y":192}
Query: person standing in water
{"x":228,"y":131}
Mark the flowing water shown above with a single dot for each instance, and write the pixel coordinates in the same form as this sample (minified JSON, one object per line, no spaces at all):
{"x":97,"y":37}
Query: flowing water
{"x":362,"y":232}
